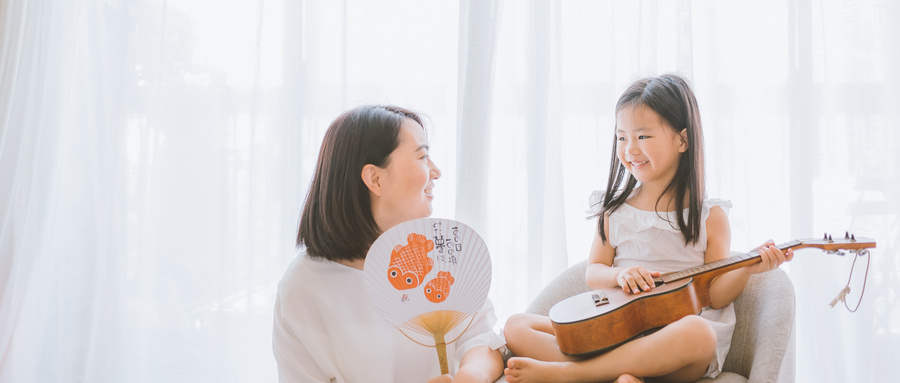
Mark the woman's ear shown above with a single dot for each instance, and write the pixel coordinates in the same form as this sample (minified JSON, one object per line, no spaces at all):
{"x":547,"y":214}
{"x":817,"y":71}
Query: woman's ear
{"x":684,"y":141}
{"x":371,"y":176}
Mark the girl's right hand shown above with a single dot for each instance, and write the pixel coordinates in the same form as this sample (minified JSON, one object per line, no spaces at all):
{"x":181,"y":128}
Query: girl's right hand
{"x":636,"y":278}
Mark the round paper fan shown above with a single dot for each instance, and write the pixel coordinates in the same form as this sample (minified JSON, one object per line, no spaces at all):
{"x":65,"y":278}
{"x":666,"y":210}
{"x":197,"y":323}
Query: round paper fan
{"x":429,"y":277}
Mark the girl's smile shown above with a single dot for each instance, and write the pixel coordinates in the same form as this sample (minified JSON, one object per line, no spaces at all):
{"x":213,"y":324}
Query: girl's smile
{"x":647,"y":146}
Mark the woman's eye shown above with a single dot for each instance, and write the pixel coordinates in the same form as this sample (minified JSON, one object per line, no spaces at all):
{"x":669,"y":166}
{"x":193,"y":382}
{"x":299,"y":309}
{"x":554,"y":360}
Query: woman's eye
{"x":643,"y":137}
{"x":620,"y":139}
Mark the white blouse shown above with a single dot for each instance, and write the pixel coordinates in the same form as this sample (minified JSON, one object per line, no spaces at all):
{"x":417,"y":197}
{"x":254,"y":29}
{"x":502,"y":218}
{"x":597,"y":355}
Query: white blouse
{"x":326,"y":330}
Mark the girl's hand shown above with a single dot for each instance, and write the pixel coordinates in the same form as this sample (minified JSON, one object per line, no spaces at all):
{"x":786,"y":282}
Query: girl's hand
{"x":771,"y":257}
{"x":636,"y":278}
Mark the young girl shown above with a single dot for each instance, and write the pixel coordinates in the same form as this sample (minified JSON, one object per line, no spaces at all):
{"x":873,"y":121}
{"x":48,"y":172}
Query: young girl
{"x":654,"y":218}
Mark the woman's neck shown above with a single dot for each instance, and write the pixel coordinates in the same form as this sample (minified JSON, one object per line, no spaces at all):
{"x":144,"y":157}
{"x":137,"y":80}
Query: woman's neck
{"x":356,"y":264}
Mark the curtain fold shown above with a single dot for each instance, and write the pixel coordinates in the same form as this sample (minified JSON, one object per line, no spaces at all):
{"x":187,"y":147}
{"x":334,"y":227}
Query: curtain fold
{"x":478,"y":25}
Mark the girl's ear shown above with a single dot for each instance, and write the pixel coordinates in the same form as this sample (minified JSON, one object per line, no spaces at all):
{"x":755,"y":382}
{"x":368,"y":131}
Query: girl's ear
{"x":371,"y":176}
{"x":684,"y":141}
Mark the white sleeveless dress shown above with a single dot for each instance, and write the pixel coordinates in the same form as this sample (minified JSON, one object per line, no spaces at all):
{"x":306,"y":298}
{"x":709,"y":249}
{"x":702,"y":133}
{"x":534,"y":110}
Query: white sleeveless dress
{"x":647,"y":239}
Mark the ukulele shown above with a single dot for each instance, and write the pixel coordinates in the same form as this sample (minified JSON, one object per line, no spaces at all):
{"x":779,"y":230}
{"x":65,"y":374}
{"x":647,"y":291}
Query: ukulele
{"x":599,"y":320}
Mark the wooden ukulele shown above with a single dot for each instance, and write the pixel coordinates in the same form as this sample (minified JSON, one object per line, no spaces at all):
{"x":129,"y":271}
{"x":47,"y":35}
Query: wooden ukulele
{"x":600,"y":320}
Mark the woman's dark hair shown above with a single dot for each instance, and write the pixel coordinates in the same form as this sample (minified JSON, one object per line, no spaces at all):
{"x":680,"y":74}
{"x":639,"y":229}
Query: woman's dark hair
{"x":337,"y":222}
{"x":671,"y":97}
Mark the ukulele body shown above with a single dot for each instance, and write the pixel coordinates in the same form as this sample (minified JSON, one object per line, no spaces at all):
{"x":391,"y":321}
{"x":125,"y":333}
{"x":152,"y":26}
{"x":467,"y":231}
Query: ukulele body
{"x":599,"y":320}
{"x":585,"y":325}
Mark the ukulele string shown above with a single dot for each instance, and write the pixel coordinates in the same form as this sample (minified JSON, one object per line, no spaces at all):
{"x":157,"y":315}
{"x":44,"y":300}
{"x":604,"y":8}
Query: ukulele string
{"x":842,"y":296}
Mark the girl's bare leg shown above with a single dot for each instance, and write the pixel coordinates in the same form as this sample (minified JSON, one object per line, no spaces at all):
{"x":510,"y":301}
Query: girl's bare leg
{"x":678,"y":352}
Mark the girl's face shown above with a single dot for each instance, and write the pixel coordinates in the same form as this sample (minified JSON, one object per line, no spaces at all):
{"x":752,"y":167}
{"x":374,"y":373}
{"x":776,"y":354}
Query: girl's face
{"x":648,"y":146}
{"x":407,"y":181}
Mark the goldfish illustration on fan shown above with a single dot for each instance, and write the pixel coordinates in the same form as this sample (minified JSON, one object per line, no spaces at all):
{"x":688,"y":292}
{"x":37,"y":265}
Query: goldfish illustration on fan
{"x":438,"y":288}
{"x":429,"y":277}
{"x":410,"y":263}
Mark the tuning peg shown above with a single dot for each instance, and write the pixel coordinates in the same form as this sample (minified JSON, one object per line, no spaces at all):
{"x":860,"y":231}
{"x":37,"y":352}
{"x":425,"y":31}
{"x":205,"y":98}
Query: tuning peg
{"x":825,"y":237}
{"x":829,"y":238}
{"x":852,"y":237}
{"x":846,"y":235}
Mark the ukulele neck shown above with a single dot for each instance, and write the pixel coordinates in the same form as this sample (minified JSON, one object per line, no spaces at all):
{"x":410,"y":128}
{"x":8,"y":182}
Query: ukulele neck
{"x":713,"y":269}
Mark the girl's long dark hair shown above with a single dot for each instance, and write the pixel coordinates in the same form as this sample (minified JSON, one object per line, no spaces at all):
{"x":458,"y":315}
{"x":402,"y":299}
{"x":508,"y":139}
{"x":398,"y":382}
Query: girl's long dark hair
{"x":671,"y":97}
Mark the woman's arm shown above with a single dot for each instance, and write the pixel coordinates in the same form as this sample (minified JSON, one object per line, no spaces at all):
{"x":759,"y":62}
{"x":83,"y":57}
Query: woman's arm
{"x":293,"y":359}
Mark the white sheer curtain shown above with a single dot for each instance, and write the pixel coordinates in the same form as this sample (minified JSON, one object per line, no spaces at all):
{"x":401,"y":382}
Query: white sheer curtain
{"x":154,"y":156}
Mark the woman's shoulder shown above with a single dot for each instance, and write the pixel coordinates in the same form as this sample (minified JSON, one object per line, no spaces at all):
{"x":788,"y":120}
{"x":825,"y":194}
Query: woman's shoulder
{"x":306,"y":273}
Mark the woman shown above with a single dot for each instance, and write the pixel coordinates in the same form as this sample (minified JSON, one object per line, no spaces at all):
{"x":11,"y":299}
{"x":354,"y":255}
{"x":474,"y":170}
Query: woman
{"x":373,"y":172}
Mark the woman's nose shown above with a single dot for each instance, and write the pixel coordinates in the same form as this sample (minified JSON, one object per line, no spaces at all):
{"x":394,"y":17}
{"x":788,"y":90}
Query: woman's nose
{"x":435,"y":172}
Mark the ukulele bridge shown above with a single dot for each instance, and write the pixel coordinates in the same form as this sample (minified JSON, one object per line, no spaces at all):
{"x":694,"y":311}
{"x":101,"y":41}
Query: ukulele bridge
{"x":600,"y":301}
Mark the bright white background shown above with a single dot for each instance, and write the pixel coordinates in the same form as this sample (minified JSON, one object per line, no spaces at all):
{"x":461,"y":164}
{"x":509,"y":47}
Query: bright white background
{"x":154,"y":156}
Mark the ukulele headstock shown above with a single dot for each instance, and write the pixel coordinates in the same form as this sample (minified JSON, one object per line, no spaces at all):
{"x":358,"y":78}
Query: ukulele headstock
{"x":850,"y":243}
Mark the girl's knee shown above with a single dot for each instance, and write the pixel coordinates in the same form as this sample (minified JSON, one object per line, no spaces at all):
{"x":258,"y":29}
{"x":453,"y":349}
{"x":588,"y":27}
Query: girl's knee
{"x":516,"y":324}
{"x":698,"y":335}
{"x":526,"y":326}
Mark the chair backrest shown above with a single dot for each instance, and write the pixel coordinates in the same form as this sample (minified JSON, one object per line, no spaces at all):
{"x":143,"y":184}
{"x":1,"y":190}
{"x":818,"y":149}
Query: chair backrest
{"x":762,"y":347}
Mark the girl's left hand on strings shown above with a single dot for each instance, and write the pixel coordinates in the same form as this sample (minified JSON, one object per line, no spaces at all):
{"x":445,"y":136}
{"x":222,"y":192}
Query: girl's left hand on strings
{"x":771,"y":257}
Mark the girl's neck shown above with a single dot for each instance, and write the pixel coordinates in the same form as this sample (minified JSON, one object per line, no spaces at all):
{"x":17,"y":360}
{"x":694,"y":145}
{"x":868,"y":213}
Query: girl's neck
{"x":647,"y":197}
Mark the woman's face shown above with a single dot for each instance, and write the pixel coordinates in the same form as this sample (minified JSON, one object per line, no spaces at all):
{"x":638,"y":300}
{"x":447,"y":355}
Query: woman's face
{"x":407,"y":180}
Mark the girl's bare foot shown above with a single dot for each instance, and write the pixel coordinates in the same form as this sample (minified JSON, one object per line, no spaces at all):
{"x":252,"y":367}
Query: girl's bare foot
{"x":527,"y":370}
{"x":628,"y":378}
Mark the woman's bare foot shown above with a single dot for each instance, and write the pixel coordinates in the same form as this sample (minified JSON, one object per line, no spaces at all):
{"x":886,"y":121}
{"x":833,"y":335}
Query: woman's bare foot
{"x":527,"y":370}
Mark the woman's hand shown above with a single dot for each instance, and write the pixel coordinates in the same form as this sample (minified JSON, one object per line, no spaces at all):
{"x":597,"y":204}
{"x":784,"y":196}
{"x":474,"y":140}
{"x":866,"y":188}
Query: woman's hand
{"x":636,"y":278}
{"x":771,"y":257}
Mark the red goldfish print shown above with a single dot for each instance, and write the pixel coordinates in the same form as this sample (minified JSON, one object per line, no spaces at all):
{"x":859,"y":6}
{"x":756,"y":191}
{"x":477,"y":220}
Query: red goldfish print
{"x":437,"y":289}
{"x":410,"y":263}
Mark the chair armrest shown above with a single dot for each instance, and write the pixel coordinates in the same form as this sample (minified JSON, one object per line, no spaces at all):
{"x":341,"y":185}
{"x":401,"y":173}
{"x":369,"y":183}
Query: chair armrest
{"x":762,"y":347}
{"x":569,"y":283}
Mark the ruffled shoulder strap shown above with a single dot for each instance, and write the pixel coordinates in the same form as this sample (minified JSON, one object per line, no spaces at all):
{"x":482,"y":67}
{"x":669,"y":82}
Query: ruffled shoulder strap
{"x":640,"y":220}
{"x":709,"y":203}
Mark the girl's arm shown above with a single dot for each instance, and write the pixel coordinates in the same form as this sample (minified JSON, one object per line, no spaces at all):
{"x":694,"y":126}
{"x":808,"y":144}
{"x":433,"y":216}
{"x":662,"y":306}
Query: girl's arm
{"x":726,"y":287}
{"x":600,"y":274}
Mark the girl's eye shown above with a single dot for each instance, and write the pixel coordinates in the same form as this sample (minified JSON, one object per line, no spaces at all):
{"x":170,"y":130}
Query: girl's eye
{"x":643,"y":137}
{"x":620,"y":138}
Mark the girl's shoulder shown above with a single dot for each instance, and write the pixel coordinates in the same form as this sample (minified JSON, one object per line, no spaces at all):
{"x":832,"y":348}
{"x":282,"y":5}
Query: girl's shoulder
{"x":709,"y":203}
